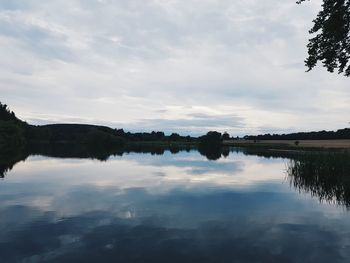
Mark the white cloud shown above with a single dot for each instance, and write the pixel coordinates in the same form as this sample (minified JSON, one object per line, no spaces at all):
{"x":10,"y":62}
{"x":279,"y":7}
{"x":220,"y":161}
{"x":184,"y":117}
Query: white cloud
{"x":151,"y":64}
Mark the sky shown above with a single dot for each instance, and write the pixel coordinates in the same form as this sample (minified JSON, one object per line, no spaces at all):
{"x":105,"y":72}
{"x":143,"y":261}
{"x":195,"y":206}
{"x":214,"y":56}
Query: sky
{"x":172,"y":65}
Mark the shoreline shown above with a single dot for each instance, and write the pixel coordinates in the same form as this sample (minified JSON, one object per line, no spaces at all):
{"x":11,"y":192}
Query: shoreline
{"x":291,"y":144}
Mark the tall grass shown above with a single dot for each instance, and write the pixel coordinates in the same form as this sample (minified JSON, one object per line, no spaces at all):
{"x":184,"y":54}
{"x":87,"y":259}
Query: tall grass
{"x":325,"y":175}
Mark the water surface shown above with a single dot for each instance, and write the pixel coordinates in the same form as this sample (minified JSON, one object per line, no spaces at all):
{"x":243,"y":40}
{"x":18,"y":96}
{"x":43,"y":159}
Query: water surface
{"x":174,"y":207}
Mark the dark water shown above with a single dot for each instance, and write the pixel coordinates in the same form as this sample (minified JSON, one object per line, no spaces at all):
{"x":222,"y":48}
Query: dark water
{"x":162,"y":206}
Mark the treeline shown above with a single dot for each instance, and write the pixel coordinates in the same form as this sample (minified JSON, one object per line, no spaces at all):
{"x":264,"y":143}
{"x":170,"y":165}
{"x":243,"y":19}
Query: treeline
{"x":341,"y":134}
{"x":12,"y":130}
{"x":94,"y":137}
{"x":56,"y":133}
{"x":15,"y":133}
{"x":154,"y":136}
{"x":6,"y":114}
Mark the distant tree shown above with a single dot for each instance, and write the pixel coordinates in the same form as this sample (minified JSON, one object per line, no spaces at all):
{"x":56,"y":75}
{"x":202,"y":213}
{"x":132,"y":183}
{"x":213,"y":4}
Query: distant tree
{"x":212,"y":138}
{"x":174,"y":137}
{"x":99,"y":139}
{"x":160,"y":135}
{"x":341,"y":134}
{"x":12,"y":130}
{"x":11,"y":136}
{"x":331,"y":43}
{"x":225,"y":136}
{"x":188,"y":138}
{"x":119,"y":132}
{"x":6,"y":114}
{"x":210,"y":145}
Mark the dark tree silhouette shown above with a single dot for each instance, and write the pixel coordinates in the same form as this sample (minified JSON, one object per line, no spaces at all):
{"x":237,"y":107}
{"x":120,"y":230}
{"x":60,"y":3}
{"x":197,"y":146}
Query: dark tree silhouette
{"x":6,"y":114}
{"x":342,"y":134}
{"x":212,"y":138}
{"x":210,"y":145}
{"x":174,"y":137}
{"x":225,"y":136}
{"x":331,"y":42}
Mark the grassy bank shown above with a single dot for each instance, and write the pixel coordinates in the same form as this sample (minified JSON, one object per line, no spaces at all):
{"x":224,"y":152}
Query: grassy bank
{"x":291,"y":144}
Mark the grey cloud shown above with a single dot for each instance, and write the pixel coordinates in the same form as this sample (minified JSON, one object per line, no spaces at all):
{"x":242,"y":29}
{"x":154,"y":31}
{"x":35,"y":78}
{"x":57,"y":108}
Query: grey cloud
{"x":40,"y":40}
{"x":159,"y":53}
{"x":196,"y":167}
{"x":147,"y":29}
{"x":14,"y":4}
{"x":199,"y":123}
{"x":187,"y":218}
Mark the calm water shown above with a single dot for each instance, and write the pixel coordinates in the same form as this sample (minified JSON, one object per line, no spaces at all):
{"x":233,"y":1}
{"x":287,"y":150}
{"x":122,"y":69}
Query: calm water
{"x":173,"y":208}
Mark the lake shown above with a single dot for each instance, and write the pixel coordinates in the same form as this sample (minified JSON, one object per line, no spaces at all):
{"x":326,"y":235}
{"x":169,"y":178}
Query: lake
{"x":176,"y":206}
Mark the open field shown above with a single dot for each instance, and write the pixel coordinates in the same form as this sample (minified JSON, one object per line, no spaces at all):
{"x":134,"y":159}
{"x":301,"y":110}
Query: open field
{"x":339,"y":144}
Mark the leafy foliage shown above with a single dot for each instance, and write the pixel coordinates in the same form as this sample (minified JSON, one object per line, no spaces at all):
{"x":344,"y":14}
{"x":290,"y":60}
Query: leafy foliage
{"x":331,"y":43}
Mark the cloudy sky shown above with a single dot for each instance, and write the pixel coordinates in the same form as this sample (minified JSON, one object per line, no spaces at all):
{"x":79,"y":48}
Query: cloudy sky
{"x":173,"y":65}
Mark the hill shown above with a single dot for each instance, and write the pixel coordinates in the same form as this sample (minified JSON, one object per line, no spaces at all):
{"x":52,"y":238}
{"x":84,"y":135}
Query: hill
{"x":15,"y":133}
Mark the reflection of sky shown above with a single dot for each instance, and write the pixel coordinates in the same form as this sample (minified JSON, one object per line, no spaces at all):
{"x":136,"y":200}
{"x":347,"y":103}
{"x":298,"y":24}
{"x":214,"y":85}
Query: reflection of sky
{"x":164,"y":208}
{"x":185,"y":170}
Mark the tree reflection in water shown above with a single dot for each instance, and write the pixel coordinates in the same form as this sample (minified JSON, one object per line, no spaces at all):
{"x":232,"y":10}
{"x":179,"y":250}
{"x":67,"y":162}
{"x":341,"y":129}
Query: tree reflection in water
{"x":68,"y":150}
{"x":323,"y":174}
{"x":8,"y":160}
